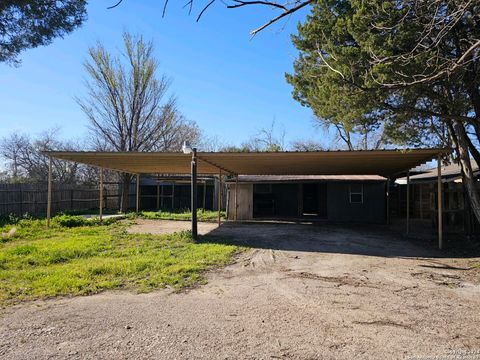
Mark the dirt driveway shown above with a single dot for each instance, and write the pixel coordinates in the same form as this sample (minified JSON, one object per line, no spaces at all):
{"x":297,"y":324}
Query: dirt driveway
{"x":303,"y":292}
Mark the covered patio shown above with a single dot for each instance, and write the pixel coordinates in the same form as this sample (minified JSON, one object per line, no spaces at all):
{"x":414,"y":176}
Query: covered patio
{"x":387,"y":163}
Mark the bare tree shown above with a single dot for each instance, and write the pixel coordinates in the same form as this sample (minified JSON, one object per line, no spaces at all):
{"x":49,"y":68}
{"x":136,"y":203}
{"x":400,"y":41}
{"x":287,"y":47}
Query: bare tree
{"x":267,"y":139}
{"x":128,"y":106}
{"x":11,"y":149}
{"x":306,"y":145}
{"x":26,"y":161}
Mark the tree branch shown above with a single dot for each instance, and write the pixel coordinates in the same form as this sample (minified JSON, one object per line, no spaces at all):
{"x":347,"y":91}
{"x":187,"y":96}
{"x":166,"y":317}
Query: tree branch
{"x":282,"y":15}
{"x":241,"y":3}
{"x":114,"y":6}
{"x":204,"y":9}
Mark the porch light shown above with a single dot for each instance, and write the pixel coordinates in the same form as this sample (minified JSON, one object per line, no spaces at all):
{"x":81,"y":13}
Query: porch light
{"x":186,"y":148}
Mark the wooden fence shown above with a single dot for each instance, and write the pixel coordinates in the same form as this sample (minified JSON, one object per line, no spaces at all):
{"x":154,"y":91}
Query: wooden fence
{"x":19,"y":199}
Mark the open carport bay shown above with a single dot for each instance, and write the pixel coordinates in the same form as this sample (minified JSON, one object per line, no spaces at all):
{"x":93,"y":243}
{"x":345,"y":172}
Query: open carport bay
{"x":299,"y":292}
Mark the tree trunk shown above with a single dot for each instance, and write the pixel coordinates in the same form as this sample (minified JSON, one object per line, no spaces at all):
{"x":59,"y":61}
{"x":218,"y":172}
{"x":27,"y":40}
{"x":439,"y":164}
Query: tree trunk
{"x":469,"y":180}
{"x":126,"y":180}
{"x":473,"y":150}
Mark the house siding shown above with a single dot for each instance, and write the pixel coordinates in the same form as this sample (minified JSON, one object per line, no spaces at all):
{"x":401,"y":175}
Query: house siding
{"x":372,"y":210}
{"x":288,"y":200}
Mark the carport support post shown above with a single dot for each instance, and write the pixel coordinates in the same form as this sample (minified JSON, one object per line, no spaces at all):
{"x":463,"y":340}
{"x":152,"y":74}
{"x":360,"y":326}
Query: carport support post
{"x":236,"y":197}
{"x":408,"y":202}
{"x":204,"y":194}
{"x":194,"y":194}
{"x":440,"y":203}
{"x":219,"y":197}
{"x":158,"y":193}
{"x":100,"y":208}
{"x":49,"y":191}
{"x":137,"y":194}
{"x":388,"y":200}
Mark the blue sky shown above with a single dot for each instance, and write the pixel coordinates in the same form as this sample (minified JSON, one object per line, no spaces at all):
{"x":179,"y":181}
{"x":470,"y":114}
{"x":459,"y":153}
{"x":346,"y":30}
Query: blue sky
{"x":230,"y":85}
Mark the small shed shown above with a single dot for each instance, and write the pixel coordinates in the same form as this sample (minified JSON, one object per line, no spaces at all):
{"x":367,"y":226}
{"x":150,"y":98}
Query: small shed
{"x":423,"y":197}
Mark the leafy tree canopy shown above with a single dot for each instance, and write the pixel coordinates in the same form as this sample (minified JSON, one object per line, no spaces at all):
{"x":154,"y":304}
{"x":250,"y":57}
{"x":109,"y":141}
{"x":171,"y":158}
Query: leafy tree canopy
{"x":366,"y":64}
{"x":410,"y":68}
{"x":28,"y":24}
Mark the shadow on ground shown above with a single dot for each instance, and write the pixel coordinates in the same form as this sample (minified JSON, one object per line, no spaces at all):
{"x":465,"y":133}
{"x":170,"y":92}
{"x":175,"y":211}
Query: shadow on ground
{"x":370,"y":240}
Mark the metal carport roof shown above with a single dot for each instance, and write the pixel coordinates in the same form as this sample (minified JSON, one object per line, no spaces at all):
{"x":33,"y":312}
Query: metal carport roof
{"x":362,"y":162}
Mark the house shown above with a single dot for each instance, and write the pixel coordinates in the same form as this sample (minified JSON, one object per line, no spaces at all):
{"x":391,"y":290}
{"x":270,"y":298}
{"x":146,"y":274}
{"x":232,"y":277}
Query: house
{"x":339,"y":198}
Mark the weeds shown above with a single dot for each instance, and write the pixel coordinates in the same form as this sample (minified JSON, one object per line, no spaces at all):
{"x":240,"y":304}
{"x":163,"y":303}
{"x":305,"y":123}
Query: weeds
{"x":68,"y":259}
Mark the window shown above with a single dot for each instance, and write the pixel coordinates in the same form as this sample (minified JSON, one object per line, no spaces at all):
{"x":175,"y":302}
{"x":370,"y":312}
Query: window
{"x":356,"y":194}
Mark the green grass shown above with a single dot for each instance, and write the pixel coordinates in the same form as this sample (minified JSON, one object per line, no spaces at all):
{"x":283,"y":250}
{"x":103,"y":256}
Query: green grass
{"x":64,"y":261}
{"x":202,"y":215}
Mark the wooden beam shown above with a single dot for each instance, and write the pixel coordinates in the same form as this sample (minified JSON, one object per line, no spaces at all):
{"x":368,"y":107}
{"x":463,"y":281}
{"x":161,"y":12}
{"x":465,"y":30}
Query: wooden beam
{"x":49,"y":191}
{"x":408,"y":202}
{"x":440,"y":202}
{"x":236,"y":198}
{"x":137,"y":193}
{"x":100,"y":207}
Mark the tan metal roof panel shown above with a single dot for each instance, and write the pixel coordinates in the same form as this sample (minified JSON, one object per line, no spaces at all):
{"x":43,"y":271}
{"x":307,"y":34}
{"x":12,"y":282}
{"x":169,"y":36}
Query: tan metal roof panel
{"x":371,"y":162}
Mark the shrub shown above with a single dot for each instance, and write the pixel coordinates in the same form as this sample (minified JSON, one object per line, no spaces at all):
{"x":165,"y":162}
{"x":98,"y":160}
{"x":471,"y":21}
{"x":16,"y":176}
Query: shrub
{"x":70,"y":221}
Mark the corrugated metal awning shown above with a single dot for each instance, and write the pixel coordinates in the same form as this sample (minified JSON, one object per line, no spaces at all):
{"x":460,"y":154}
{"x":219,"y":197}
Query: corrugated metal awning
{"x":366,"y":162}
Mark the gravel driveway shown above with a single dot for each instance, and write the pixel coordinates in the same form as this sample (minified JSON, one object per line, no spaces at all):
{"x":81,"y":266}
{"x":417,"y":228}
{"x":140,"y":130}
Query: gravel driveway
{"x":302,"y":292}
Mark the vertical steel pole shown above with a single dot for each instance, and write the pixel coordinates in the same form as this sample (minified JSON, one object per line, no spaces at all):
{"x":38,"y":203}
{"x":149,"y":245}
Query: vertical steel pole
{"x":236,"y":198}
{"x":440,"y":203}
{"x":100,"y":209}
{"x":158,"y":195}
{"x":388,"y":200}
{"x":219,"y":197}
{"x":194,"y":193}
{"x":137,"y":202}
{"x":204,"y":194}
{"x":408,"y":202}
{"x":49,"y":191}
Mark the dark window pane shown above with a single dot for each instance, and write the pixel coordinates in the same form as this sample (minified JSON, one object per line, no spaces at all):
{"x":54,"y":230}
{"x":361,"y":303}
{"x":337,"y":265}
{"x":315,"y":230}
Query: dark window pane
{"x":356,"y":188}
{"x":356,"y":198}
